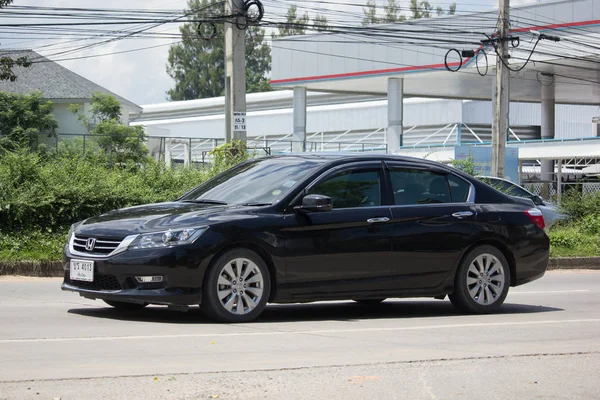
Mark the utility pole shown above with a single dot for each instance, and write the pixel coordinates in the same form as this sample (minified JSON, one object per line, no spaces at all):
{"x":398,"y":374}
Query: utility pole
{"x":501,"y":99}
{"x":235,"y":72}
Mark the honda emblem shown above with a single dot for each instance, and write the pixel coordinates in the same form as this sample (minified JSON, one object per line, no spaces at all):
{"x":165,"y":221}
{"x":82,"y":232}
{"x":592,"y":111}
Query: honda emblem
{"x":90,"y":244}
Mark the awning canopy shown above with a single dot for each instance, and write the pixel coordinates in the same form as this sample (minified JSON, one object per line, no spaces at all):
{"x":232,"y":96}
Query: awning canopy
{"x":362,"y":60}
{"x":535,"y":150}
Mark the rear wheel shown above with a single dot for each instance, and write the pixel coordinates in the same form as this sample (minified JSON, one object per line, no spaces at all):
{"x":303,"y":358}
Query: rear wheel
{"x":121,"y":305}
{"x":481,"y":282}
{"x":369,"y":302}
{"x":237,"y":287}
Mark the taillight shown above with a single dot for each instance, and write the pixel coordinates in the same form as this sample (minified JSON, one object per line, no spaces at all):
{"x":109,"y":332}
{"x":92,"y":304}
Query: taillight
{"x":536,"y":216}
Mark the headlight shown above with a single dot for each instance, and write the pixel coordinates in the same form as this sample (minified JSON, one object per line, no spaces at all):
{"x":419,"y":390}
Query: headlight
{"x":168,"y":238}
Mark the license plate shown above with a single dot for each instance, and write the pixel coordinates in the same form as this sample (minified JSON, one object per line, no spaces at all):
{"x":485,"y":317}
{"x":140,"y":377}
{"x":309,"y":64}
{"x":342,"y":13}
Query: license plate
{"x":82,"y":270}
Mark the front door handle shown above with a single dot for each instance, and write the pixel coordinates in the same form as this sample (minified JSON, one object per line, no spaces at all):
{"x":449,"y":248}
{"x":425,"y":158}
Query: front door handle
{"x":462,"y":214}
{"x":378,"y":220}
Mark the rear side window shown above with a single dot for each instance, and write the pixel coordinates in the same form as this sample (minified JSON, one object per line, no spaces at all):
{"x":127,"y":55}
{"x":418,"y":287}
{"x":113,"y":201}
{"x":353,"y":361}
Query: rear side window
{"x":413,"y":186}
{"x":459,"y":189}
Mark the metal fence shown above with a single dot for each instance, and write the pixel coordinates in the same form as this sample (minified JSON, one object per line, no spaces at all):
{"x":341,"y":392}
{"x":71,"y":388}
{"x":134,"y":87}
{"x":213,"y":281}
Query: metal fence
{"x":180,"y":150}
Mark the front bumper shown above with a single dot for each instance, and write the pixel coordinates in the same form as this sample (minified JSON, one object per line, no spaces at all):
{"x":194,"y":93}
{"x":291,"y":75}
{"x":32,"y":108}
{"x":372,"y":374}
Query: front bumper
{"x":114,"y":278}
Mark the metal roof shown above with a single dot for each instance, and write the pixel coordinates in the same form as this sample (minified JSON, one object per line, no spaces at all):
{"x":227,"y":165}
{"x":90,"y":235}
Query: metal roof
{"x":54,"y":81}
{"x":339,"y":62}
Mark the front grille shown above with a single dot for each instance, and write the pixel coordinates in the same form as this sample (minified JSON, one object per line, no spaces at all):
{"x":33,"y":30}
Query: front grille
{"x":101,"y":247}
{"x":101,"y":282}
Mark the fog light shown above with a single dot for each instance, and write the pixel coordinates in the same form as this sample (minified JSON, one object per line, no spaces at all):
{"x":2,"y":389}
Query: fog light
{"x":149,"y":279}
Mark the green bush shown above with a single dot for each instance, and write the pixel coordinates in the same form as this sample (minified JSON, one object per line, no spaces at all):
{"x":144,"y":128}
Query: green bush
{"x":564,"y":238}
{"x":39,"y":192}
{"x":590,"y":224}
{"x":42,"y":193}
{"x":32,"y":246}
{"x":572,"y":240}
{"x":577,"y":205}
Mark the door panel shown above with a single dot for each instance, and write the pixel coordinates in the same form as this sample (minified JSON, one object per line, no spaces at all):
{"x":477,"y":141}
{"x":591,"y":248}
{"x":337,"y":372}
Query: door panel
{"x":347,"y":249}
{"x":428,"y":241}
{"x":338,"y":251}
{"x":433,"y":223}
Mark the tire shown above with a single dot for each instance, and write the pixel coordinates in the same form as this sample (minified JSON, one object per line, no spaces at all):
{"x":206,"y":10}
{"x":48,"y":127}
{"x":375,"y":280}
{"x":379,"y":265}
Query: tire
{"x":121,"y":305}
{"x":236,"y":287}
{"x":369,"y":302}
{"x":482,"y":281}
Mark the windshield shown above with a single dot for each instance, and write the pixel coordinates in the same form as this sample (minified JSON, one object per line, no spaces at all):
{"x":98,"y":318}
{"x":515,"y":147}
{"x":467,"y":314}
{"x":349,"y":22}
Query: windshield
{"x":261,"y":181}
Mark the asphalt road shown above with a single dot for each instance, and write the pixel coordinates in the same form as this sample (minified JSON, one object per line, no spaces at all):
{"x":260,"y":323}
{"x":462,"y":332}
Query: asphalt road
{"x":544,"y":344}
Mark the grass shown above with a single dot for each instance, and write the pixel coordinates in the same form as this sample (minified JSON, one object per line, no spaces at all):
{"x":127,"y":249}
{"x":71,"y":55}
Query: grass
{"x":573,"y":241}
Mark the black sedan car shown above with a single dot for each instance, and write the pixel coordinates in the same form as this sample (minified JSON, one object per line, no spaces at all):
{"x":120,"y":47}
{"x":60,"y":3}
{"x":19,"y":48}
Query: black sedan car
{"x":304,"y":228}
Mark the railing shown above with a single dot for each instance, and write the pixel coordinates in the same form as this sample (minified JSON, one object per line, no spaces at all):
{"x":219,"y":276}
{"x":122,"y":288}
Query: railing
{"x":198,"y":150}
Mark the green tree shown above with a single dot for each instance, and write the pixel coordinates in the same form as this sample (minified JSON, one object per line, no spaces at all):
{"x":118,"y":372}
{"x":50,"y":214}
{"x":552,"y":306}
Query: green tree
{"x":300,"y":25}
{"x":198,"y":65}
{"x":120,"y":143}
{"x":293,"y":24}
{"x":424,"y":9}
{"x":393,"y":12}
{"x":320,"y":23}
{"x":23,"y":117}
{"x":7,"y":64}
{"x":466,"y":165}
{"x":420,"y":9}
{"x":370,"y":13}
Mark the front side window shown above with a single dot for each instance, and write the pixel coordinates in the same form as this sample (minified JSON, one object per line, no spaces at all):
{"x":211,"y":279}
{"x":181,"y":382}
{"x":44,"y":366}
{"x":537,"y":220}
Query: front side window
{"x":353,"y":188}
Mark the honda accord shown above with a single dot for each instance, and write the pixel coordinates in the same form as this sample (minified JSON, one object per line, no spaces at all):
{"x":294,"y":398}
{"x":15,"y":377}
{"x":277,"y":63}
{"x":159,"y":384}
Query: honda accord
{"x":312,"y":227}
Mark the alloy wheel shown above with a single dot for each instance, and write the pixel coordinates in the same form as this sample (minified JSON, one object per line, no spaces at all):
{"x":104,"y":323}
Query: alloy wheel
{"x":485,"y":279}
{"x":240,"y":286}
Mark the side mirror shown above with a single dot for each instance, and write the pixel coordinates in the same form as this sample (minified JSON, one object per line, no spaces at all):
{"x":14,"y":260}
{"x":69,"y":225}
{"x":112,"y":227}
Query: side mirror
{"x":315,"y":203}
{"x":537,"y":200}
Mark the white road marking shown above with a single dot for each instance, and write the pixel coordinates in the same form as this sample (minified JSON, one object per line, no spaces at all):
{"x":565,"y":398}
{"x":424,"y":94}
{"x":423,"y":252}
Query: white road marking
{"x":313,"y":332}
{"x":551,"y":291}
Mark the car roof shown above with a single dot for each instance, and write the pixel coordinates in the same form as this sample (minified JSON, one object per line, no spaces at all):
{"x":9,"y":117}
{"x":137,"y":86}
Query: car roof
{"x":495,"y":177}
{"x":338,"y":156}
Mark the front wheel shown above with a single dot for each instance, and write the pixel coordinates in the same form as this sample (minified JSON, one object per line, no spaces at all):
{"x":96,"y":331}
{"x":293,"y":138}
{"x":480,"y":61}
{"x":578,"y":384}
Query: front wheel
{"x":481,"y":282}
{"x":237,"y":287}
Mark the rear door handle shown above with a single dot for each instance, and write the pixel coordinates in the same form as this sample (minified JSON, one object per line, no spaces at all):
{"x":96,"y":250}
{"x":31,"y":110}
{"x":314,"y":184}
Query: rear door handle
{"x":378,"y":220}
{"x":462,"y":214}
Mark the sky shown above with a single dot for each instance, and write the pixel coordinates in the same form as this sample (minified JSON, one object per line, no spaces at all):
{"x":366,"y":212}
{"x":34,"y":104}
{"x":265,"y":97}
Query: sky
{"x":141,"y":76}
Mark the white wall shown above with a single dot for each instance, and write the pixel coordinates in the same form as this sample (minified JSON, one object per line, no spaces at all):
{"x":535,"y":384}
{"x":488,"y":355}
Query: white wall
{"x":571,"y":121}
{"x":67,"y":121}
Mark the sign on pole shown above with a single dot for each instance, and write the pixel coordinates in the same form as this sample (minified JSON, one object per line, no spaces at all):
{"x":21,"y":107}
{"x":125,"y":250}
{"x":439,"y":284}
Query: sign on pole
{"x":239,"y":121}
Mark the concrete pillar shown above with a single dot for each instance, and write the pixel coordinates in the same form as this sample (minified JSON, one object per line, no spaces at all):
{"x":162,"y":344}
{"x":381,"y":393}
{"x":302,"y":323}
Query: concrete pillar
{"x":299,"y":144}
{"x":395,"y":114}
{"x":168,"y":152}
{"x":548,"y":127}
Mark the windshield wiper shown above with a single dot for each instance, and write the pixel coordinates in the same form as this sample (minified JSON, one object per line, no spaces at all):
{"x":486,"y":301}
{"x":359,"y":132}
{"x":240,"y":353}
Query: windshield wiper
{"x":205,"y":201}
{"x":257,"y":204}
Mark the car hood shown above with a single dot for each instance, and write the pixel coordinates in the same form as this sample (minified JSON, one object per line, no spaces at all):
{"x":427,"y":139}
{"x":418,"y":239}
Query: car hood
{"x":155,"y":218}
